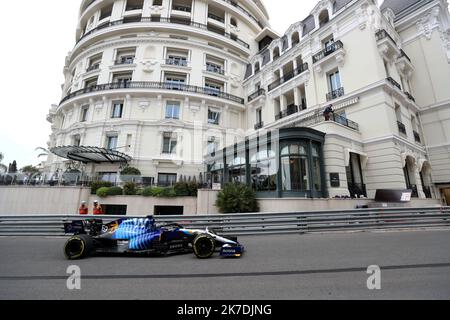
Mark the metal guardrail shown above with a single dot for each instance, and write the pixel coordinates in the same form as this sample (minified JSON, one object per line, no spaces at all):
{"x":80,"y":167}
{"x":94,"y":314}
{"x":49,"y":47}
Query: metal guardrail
{"x":255,"y":224}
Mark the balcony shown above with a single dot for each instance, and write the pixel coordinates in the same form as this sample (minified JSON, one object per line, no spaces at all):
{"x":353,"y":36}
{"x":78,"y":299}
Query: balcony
{"x":216,"y":17}
{"x":401,"y":128}
{"x":259,"y":125}
{"x":154,"y":85}
{"x":357,"y":190}
{"x":181,"y":8}
{"x":95,"y":66}
{"x":124,"y":61}
{"x":344,"y":121}
{"x":244,"y":11}
{"x":165,"y":20}
{"x":290,"y":110}
{"x":258,"y":93}
{"x":417,"y":137}
{"x":394,"y":83}
{"x":314,"y":119}
{"x":409,"y":96}
{"x":288,"y":76}
{"x":387,"y":46}
{"x":176,"y":62}
{"x":335,"y":94}
{"x":330,"y":49}
{"x":215,"y":69}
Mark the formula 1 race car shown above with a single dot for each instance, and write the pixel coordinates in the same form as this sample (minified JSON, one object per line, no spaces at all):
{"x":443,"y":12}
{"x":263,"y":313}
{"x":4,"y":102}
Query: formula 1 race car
{"x":144,"y":237}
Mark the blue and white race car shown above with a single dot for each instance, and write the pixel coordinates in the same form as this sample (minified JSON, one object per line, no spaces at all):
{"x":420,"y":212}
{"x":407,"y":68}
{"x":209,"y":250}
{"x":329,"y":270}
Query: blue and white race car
{"x":144,"y":237}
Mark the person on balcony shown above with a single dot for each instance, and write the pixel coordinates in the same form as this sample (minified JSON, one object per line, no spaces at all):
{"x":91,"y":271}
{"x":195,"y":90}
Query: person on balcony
{"x":83,"y":208}
{"x":98,"y":210}
{"x":328,"y":112}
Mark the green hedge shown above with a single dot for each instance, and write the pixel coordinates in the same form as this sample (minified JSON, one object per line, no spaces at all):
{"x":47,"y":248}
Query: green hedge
{"x":99,"y":184}
{"x":181,"y":189}
{"x":237,"y":198}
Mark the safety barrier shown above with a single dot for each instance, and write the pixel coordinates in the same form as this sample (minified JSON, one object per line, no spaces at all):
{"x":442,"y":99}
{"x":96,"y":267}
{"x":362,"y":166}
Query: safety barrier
{"x":255,"y":224}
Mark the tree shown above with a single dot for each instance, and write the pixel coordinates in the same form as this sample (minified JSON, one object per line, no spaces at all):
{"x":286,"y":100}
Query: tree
{"x":43,"y":152}
{"x":2,"y":166}
{"x":30,"y":169}
{"x":13,"y":167}
{"x":237,"y":198}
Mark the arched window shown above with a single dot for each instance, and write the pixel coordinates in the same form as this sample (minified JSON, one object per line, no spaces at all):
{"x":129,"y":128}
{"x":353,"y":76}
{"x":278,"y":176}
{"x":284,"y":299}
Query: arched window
{"x":295,"y":38}
{"x":324,"y":18}
{"x":276,"y":53}
{"x":257,"y":67}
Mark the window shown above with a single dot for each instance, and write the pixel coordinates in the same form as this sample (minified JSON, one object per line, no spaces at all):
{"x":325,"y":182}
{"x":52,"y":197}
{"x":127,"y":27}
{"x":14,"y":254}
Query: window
{"x":316,"y":163}
{"x":122,"y":78}
{"x":213,"y":88}
{"x":108,"y":176}
{"x":84,"y":113}
{"x":76,"y":140}
{"x":169,"y":143}
{"x":175,"y":82}
{"x":233,"y":22}
{"x":112,"y":142}
{"x":259,"y":115}
{"x":334,"y":81}
{"x":92,"y":82}
{"x":213,"y":145}
{"x":117,"y":110}
{"x":328,"y":43}
{"x":167,"y":179}
{"x":213,"y":117}
{"x":355,"y":179}
{"x":263,"y":168}
{"x":173,"y":110}
{"x":177,"y":61}
{"x":294,"y":167}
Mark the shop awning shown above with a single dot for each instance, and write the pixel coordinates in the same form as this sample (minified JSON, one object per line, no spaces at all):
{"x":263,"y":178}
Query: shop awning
{"x":90,"y":154}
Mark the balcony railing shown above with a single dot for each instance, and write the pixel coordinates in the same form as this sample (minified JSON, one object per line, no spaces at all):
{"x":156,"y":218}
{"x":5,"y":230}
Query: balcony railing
{"x":335,"y":94}
{"x":401,"y":128}
{"x":122,"y":61}
{"x":331,"y":48}
{"x":382,"y":34}
{"x":155,"y":85}
{"x":181,"y":8}
{"x":93,"y":67}
{"x":259,"y":125}
{"x":319,"y":118}
{"x":357,"y":190}
{"x":344,"y":121}
{"x":214,"y":69}
{"x":290,"y":110}
{"x":394,"y":83}
{"x":410,"y":97}
{"x":417,"y":137}
{"x":176,"y":62}
{"x":254,"y":95}
{"x":215,"y":17}
{"x":288,"y":76}
{"x":167,"y":20}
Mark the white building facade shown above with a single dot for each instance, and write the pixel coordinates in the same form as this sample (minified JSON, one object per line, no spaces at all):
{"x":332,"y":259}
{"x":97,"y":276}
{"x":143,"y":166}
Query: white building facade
{"x":170,"y":81}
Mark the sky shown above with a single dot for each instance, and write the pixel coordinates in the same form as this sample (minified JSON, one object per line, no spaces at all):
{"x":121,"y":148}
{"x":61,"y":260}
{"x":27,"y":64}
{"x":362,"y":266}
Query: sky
{"x":35,"y":44}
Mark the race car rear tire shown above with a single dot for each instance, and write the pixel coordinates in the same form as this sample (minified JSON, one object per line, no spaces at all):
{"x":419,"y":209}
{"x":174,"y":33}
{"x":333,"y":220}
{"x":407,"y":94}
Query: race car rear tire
{"x":204,"y":246}
{"x":78,"y":247}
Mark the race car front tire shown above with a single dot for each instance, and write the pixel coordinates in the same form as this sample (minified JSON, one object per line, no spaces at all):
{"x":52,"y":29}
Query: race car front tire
{"x":204,"y":246}
{"x":78,"y":247}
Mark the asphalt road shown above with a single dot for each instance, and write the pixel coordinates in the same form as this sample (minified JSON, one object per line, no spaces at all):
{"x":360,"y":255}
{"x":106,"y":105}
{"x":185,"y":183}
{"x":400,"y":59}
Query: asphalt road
{"x":414,"y":265}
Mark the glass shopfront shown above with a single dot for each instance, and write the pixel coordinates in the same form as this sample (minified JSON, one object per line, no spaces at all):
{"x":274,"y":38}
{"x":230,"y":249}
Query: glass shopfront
{"x":284,"y":163}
